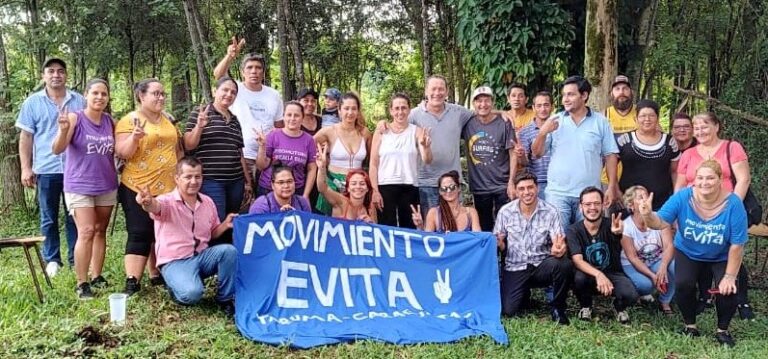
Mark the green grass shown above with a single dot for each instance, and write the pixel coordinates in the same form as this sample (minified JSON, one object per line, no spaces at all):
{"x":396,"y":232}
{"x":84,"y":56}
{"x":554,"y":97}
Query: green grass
{"x":159,"y":328}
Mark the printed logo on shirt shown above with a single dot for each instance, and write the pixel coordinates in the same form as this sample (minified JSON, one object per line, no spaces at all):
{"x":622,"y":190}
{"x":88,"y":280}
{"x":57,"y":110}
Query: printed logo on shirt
{"x":598,"y":255}
{"x":704,"y":233}
{"x":482,"y":148}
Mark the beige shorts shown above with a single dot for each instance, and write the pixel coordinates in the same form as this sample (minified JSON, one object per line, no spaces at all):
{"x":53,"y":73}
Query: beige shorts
{"x":75,"y":200}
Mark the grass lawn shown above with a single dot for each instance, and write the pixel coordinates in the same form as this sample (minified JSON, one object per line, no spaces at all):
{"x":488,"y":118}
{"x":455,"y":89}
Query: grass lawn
{"x":67,"y":327}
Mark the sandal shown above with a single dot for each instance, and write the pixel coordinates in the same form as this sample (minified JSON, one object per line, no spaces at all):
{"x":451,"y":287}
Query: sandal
{"x":668,"y":312}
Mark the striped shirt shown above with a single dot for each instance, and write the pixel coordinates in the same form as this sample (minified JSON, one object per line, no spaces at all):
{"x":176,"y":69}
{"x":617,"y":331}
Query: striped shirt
{"x":528,"y":241}
{"x":39,"y":116}
{"x":220,"y":146}
{"x":537,"y":166}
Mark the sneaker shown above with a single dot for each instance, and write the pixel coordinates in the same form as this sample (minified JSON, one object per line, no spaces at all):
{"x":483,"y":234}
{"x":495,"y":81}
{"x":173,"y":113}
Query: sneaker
{"x":132,"y":286}
{"x":560,"y":317}
{"x":690,"y":332}
{"x":646,"y":299}
{"x":228,"y":307}
{"x":99,"y":282}
{"x":585,"y":314}
{"x":725,"y":338}
{"x":52,"y":268}
{"x":157,"y":281}
{"x":83,"y":291}
{"x":622,"y":317}
{"x":745,"y":312}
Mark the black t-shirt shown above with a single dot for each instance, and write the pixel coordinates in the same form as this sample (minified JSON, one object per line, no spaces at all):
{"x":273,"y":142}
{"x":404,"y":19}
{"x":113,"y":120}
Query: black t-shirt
{"x":648,"y":165}
{"x":602,"y":250}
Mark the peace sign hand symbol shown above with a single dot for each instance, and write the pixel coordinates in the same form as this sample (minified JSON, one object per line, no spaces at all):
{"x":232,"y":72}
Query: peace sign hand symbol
{"x":617,"y":225}
{"x":416,"y":216}
{"x":442,"y":286}
{"x":63,"y":119}
{"x":202,"y":116}
{"x":235,"y":47}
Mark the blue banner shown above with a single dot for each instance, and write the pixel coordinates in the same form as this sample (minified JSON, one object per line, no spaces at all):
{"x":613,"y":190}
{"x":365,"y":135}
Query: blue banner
{"x":305,"y":280}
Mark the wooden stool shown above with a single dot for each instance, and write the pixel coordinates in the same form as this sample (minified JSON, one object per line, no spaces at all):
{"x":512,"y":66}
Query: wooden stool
{"x":27,"y":243}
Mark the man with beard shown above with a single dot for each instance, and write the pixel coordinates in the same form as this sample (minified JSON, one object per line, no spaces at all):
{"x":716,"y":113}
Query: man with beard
{"x":622,"y":115}
{"x":595,"y":248}
{"x":491,"y":157}
{"x":257,"y":106}
{"x":529,"y":230}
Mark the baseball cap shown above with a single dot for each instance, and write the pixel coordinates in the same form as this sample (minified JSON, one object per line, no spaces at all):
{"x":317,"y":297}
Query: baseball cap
{"x":54,"y":60}
{"x":621,"y":79}
{"x":333,"y":93}
{"x":307,"y":91}
{"x":482,"y":90}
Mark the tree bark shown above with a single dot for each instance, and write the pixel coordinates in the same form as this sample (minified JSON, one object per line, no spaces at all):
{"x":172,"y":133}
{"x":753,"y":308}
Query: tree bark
{"x":282,"y":39}
{"x":426,"y":49}
{"x":5,"y":94}
{"x":295,"y":43}
{"x":10,"y":169}
{"x":711,"y":101}
{"x":202,"y":34}
{"x":601,"y":58}
{"x":446,"y":24}
{"x":33,"y":11}
{"x":197,"y":46}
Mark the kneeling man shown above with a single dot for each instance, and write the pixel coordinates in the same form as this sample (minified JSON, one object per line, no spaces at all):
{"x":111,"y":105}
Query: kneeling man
{"x":531,"y":232}
{"x":595,"y":247}
{"x":185,"y":221}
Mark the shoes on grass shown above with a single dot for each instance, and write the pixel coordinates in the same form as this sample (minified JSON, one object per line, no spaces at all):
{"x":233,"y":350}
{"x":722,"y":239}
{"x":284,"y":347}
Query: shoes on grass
{"x":559,"y":316}
{"x":99,"y":282}
{"x":585,"y":314}
{"x":157,"y":281}
{"x":52,"y":268}
{"x":132,"y":286}
{"x":745,"y":312}
{"x":228,"y":307}
{"x":83,"y":291}
{"x":623,"y":317}
{"x":690,"y":332}
{"x":725,"y":338}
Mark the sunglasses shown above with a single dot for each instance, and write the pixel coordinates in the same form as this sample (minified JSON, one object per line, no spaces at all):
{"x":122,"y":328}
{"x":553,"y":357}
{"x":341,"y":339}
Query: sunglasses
{"x":449,"y":188}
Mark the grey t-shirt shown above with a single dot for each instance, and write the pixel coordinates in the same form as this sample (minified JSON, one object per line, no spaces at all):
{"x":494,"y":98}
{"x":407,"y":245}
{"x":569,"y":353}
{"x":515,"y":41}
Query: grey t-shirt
{"x":446,"y":134}
{"x":487,"y":148}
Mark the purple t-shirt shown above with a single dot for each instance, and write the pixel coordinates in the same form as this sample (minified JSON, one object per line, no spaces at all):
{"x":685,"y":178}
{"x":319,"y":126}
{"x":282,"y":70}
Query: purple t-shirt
{"x":90,"y":165}
{"x":268,"y":204}
{"x":293,"y":152}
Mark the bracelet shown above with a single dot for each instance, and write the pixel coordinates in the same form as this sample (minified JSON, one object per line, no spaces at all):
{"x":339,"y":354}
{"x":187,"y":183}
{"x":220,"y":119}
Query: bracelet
{"x":729,"y":276}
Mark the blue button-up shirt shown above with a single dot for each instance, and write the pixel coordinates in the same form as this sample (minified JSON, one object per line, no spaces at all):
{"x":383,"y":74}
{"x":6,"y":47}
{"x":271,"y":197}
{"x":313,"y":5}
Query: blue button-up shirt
{"x":577,"y":152}
{"x":39,"y":116}
{"x":537,"y":166}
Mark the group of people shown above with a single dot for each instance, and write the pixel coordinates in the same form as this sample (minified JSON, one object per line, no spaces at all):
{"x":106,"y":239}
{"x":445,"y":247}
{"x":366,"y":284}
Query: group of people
{"x":666,"y":216}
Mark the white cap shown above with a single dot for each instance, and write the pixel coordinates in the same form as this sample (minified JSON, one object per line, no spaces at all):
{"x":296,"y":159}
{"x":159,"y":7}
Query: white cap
{"x":482,"y":90}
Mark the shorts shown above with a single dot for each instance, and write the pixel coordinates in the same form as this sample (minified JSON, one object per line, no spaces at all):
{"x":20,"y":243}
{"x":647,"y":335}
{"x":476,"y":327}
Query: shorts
{"x":76,"y":200}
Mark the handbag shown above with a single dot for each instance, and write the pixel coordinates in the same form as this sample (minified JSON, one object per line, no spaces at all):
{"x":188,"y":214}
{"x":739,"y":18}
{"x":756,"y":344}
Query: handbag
{"x":751,"y":204}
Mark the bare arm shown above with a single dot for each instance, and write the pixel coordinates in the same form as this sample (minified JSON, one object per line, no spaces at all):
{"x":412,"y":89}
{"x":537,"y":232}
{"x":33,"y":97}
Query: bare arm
{"x":673,"y":173}
{"x":680,"y":182}
{"x":431,"y":222}
{"x":475,"y":219}
{"x":537,"y":147}
{"x":668,"y":247}
{"x":743,"y":178}
{"x":126,"y":145}
{"x":373,"y":165}
{"x":309,"y":184}
{"x":223,"y":226}
{"x":26,"y":140}
{"x":334,"y":198}
{"x":233,"y":49}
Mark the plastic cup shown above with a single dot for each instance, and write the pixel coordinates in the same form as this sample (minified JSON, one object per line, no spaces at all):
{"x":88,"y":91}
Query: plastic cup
{"x":117,"y":308}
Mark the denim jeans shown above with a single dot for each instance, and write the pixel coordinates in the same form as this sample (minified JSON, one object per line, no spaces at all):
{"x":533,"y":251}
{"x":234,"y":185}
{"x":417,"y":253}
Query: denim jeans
{"x":227,"y":195}
{"x":542,"y":189}
{"x":568,"y":207}
{"x":644,"y":285}
{"x":184,"y":277}
{"x":50,"y":195}
{"x":428,"y":197}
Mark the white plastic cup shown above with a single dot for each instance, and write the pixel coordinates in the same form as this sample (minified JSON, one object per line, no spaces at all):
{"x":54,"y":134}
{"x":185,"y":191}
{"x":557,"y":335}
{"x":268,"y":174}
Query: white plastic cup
{"x":117,"y":308}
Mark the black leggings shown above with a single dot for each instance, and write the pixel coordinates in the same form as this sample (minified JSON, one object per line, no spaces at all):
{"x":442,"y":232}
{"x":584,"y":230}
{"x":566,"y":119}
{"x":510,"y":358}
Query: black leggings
{"x":138,"y":224}
{"x":398,"y":199}
{"x":705,"y":282}
{"x":687,"y":273}
{"x":624,"y":292}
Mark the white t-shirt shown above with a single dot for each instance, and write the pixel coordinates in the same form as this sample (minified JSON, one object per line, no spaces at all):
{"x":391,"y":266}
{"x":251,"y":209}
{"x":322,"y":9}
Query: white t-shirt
{"x":648,"y":244}
{"x":256,"y":110}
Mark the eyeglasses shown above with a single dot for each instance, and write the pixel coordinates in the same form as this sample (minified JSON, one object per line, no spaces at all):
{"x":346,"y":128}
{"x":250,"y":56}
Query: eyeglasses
{"x":592,"y":204}
{"x":158,"y":94}
{"x":283,"y":183}
{"x":449,"y":188}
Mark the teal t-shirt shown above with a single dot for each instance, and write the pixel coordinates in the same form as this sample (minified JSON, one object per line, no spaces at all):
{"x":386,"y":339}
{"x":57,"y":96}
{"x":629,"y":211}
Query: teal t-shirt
{"x":702,"y":240}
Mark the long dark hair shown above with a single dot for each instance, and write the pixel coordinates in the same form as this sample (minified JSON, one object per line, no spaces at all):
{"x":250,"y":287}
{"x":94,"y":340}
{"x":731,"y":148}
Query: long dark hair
{"x":449,"y":223}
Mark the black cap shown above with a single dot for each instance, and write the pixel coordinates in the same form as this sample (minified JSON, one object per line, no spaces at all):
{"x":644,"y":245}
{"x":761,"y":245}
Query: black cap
{"x":54,"y":60}
{"x":306,"y":92}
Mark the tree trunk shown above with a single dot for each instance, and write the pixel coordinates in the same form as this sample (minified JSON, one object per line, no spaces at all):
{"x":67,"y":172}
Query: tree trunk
{"x":197,"y":47}
{"x":131,"y":53}
{"x":34,"y":23}
{"x":202,"y":34}
{"x":5,"y":94}
{"x":426,"y":50}
{"x":282,"y":39}
{"x":294,"y":41}
{"x":10,"y":169}
{"x":179,"y":88}
{"x":444,"y":19}
{"x":600,"y":55}
{"x":643,"y":21}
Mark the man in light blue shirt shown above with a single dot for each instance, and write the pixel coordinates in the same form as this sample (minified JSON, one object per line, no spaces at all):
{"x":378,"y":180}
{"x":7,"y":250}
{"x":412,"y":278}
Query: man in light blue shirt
{"x":579,"y":141}
{"x":39,"y":166}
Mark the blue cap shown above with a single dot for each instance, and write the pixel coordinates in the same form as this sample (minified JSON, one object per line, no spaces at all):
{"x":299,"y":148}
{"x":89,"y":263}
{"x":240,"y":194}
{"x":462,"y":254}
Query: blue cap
{"x":333,"y":93}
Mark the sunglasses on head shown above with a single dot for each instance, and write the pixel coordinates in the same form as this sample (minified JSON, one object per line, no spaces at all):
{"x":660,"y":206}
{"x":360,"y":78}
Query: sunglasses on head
{"x":449,"y":188}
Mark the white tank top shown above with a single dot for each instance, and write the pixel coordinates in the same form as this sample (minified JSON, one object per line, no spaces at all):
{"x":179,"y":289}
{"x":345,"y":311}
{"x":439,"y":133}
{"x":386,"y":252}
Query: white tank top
{"x":342,"y":157}
{"x":398,"y":157}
